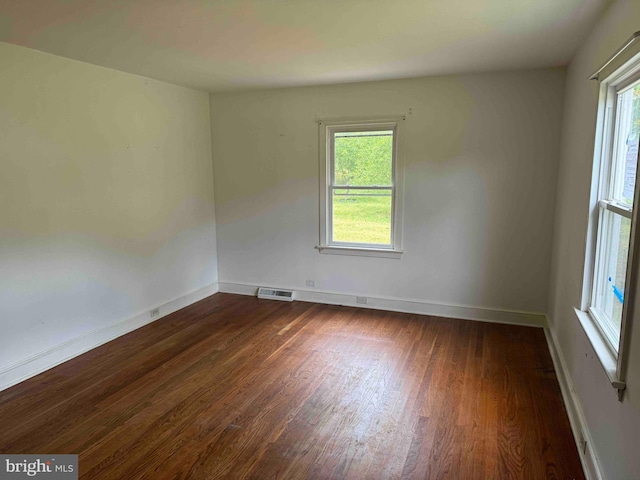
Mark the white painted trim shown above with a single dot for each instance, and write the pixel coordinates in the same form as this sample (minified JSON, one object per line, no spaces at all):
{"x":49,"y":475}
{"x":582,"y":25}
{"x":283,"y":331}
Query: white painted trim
{"x":374,"y":119}
{"x":405,"y":305}
{"x":588,"y":458}
{"x":359,"y":251}
{"x":601,"y":347}
{"x":42,"y":361}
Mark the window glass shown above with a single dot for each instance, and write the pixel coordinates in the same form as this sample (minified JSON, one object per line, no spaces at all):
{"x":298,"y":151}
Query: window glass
{"x":625,"y":156}
{"x":609,"y":298}
{"x":363,"y":158}
{"x":362,"y":215}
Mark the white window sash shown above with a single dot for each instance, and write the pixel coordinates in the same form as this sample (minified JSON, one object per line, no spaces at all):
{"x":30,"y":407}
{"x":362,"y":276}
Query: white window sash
{"x":622,"y":210}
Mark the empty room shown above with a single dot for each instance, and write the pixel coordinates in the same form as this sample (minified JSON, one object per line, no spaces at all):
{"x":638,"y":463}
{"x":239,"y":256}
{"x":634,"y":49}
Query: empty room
{"x":319,"y":239}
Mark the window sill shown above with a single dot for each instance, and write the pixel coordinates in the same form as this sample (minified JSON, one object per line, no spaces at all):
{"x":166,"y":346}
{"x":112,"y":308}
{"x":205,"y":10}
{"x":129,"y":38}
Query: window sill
{"x":359,"y":251}
{"x":607,"y":359}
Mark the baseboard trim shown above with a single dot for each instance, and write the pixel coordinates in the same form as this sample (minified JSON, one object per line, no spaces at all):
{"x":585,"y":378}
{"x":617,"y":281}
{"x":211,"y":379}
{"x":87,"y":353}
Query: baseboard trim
{"x":42,"y":361}
{"x":590,"y":463}
{"x":399,"y":305}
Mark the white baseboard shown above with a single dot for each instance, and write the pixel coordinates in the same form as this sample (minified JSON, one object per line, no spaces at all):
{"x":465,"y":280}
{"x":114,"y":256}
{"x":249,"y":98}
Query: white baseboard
{"x":399,"y":305}
{"x":42,"y":361}
{"x":581,"y":433}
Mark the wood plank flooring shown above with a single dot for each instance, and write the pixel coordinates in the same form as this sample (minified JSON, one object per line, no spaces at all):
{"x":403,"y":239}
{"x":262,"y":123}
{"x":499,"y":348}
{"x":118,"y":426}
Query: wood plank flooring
{"x":236,"y":387}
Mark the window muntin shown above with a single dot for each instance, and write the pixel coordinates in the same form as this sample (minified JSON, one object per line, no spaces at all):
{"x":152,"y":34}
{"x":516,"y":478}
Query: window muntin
{"x":361,"y":191}
{"x":615,"y":209}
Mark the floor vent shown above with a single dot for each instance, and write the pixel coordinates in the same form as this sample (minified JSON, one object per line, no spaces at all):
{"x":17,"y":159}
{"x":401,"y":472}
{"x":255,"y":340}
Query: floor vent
{"x":273,"y":294}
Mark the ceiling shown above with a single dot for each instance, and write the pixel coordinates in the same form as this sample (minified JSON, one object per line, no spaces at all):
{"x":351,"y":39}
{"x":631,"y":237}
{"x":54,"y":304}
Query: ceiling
{"x":218,"y":45}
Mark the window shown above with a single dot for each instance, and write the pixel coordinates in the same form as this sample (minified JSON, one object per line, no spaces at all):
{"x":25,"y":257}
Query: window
{"x":615,"y":207}
{"x":609,"y":278}
{"x":361,"y":179}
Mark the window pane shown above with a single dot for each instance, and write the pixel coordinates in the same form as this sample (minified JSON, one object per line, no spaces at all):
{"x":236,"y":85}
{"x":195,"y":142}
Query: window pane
{"x":614,"y":250}
{"x":625,"y":158}
{"x":363,"y":158}
{"x":362,"y":216}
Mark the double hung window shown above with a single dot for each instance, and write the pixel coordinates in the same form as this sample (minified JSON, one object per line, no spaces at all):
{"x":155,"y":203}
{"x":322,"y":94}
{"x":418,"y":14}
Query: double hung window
{"x":615,"y":205}
{"x":361,"y":179}
{"x":610,"y":276}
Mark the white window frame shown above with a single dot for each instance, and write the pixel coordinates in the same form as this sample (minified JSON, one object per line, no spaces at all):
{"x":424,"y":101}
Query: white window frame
{"x":327,"y":128}
{"x":613,"y":81}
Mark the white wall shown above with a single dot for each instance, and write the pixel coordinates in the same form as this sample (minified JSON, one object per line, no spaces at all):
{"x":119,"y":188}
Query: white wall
{"x":481,"y":155}
{"x":106,"y":199}
{"x":614,"y":426}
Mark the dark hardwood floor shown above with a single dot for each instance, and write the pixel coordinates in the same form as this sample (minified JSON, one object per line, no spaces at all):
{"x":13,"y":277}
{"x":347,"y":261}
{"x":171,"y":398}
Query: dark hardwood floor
{"x":236,"y":387}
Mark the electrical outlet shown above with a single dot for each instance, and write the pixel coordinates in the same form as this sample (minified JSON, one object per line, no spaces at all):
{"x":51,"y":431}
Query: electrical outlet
{"x":155,"y":312}
{"x":362,"y":300}
{"x":311,"y":283}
